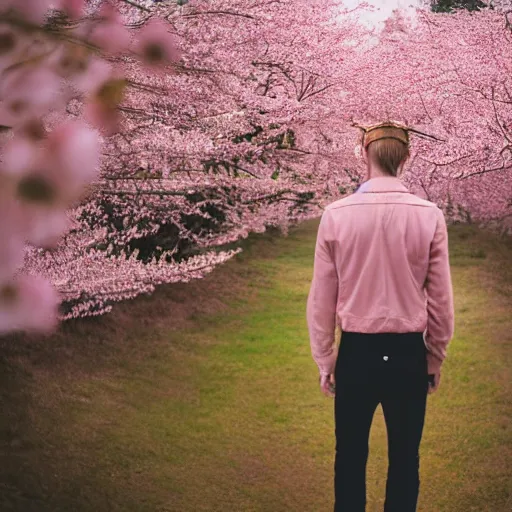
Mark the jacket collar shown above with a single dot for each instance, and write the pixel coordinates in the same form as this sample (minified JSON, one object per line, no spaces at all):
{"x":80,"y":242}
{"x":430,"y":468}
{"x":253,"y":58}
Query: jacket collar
{"x":383,"y":184}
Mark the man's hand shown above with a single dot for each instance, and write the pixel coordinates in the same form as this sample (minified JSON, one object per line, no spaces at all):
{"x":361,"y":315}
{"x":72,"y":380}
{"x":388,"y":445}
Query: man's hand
{"x":437,"y":378}
{"x":326,"y":381}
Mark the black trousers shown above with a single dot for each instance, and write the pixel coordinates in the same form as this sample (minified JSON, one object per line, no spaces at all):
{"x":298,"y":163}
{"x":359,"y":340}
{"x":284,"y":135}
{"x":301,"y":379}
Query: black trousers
{"x":390,"y":369}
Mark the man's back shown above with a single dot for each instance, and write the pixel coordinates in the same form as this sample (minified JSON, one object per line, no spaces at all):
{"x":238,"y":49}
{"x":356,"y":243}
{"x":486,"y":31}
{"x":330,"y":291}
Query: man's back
{"x":389,"y":251}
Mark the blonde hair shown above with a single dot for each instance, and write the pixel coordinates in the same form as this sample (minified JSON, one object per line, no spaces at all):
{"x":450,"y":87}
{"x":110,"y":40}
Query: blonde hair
{"x":388,"y":154}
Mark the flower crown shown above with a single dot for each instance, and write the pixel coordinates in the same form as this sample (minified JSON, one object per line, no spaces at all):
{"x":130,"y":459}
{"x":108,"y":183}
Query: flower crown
{"x":388,"y":130}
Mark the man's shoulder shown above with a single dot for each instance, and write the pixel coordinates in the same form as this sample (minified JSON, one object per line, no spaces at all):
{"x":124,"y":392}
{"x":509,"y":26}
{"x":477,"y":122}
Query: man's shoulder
{"x":368,"y":198}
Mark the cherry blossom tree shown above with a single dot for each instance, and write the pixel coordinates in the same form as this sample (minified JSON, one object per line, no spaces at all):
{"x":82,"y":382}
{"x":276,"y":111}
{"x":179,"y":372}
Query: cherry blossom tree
{"x":252,"y":127}
{"x":180,"y":179}
{"x":464,"y":100}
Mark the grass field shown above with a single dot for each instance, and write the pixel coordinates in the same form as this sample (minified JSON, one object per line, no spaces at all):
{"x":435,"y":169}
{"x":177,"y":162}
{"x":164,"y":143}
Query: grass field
{"x":204,"y":397}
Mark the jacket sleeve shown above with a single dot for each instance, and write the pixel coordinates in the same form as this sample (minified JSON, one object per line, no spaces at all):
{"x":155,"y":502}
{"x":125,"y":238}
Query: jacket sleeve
{"x":322,"y":299}
{"x":440,"y":307}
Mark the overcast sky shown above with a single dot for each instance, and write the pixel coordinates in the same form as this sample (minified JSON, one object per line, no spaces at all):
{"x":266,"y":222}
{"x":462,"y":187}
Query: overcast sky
{"x":378,"y":11}
{"x":383,"y":9}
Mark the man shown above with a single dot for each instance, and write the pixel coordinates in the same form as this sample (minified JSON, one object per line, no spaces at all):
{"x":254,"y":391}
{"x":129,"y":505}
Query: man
{"x":382,"y":273}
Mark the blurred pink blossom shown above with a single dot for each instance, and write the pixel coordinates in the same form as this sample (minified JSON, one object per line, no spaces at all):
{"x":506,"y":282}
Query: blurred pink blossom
{"x":29,"y":303}
{"x":28,"y":93}
{"x":33,"y":11}
{"x":74,"y":149}
{"x":155,"y":45}
{"x":19,"y":154}
{"x":12,"y":246}
{"x":54,"y":173}
{"x":95,"y":73}
{"x":110,"y":34}
{"x":74,"y":8}
{"x":44,"y":227}
{"x":101,"y":116}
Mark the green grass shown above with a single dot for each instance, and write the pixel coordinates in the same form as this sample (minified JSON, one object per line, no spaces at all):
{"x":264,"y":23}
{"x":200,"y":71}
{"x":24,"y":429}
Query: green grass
{"x":204,"y":397}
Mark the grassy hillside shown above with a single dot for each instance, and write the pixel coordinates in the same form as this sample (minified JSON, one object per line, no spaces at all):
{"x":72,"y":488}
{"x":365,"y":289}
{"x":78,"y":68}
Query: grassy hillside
{"x":204,"y":397}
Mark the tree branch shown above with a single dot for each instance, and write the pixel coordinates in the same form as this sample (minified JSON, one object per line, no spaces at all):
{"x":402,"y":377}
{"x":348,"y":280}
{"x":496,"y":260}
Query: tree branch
{"x":135,"y":4}
{"x":230,"y":13}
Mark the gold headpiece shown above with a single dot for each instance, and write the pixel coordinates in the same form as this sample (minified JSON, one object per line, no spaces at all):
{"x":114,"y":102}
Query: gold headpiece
{"x":388,"y":130}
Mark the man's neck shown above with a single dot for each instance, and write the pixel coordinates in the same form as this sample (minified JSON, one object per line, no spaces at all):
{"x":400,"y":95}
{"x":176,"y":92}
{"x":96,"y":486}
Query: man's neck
{"x":379,"y":175}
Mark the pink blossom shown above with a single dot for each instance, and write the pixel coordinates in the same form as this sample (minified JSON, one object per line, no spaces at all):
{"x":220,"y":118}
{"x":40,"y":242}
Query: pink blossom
{"x":11,"y":234}
{"x":74,"y":150}
{"x":96,"y":71}
{"x":53,"y":173}
{"x":111,"y":37}
{"x":28,"y":93}
{"x":74,"y":8}
{"x":33,"y":11}
{"x":103,"y":117}
{"x":19,"y":154}
{"x":12,"y":44}
{"x":28,"y":302}
{"x":11,"y":254}
{"x":44,"y":227}
{"x":156,"y":45}
{"x":110,"y":34}
{"x":101,"y":108}
{"x":71,"y":61}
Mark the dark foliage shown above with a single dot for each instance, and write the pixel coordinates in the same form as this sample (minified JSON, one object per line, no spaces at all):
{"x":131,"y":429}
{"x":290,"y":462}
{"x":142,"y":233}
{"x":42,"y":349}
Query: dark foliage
{"x":451,"y":5}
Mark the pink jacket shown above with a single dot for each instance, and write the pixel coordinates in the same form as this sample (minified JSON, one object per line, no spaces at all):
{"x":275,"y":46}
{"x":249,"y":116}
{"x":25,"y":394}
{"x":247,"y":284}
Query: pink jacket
{"x":381,"y":265}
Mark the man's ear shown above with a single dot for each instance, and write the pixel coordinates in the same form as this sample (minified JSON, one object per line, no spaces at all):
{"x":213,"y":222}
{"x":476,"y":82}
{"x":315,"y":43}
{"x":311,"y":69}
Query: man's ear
{"x":402,"y":165}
